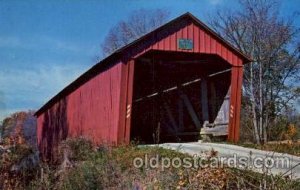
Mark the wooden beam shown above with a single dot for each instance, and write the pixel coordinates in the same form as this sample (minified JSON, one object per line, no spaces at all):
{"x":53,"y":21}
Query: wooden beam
{"x":238,"y":104}
{"x":123,"y":103}
{"x":190,"y":109}
{"x":167,"y":90}
{"x":204,"y":100}
{"x":171,"y":117}
{"x":219,"y":72}
{"x":232,"y":105}
{"x":180,"y":115}
{"x":218,"y":130}
{"x":130,"y":77}
{"x":213,"y":99}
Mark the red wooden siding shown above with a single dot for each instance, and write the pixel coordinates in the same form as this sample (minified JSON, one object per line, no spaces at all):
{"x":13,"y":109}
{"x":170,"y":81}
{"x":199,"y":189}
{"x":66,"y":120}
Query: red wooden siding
{"x":235,"y":103}
{"x":126,"y":102}
{"x":203,"y":43}
{"x":129,"y":96}
{"x":92,"y":110}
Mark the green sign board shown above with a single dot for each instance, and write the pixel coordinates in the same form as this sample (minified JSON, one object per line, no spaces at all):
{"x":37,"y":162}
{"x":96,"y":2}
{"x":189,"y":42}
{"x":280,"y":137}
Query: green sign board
{"x":186,"y":44}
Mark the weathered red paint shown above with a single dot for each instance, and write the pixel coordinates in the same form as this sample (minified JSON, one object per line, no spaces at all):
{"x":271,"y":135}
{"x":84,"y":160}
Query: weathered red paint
{"x":130,"y":66}
{"x":203,"y":43}
{"x":232,"y":105}
{"x":91,"y":110}
{"x":97,"y":104}
{"x":238,"y":106}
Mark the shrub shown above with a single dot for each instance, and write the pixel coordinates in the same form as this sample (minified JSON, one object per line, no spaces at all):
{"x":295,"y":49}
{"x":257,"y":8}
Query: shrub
{"x":78,"y":149}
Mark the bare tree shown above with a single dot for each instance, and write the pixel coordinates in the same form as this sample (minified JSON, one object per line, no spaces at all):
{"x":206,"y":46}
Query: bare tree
{"x":139,"y":23}
{"x":273,"y":44}
{"x":1,"y":132}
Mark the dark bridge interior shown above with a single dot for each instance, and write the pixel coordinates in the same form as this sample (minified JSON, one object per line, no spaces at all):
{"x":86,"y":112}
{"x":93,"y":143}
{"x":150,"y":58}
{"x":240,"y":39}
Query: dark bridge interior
{"x":175,"y":93}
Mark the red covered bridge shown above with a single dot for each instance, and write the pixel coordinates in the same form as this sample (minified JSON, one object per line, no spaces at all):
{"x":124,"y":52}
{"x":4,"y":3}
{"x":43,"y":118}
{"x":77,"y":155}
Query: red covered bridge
{"x":170,"y":84}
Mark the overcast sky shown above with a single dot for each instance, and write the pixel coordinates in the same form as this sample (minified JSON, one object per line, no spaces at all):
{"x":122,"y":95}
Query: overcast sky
{"x":45,"y":45}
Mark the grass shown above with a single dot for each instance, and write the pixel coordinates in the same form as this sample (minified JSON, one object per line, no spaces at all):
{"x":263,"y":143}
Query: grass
{"x":288,"y":148}
{"x":112,"y":168}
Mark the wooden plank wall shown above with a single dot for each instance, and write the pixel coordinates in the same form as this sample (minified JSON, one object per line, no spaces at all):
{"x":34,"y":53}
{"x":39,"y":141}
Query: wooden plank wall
{"x":99,"y":107}
{"x":92,"y":111}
